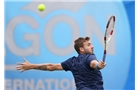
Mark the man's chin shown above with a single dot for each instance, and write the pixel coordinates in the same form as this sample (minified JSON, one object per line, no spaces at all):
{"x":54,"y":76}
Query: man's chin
{"x":91,"y":53}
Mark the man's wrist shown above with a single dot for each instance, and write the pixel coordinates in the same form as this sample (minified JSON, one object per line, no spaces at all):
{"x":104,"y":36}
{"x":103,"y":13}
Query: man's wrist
{"x":97,"y":67}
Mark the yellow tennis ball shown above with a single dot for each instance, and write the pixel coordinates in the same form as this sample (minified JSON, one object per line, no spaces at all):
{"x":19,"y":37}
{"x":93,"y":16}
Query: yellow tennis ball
{"x":41,"y":7}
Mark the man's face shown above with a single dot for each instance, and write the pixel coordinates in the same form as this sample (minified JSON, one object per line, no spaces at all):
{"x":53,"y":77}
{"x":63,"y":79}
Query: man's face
{"x":88,"y":47}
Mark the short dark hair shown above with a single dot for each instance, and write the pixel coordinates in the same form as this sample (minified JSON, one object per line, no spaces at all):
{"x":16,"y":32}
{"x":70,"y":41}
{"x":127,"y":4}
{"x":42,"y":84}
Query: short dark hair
{"x":79,"y":43}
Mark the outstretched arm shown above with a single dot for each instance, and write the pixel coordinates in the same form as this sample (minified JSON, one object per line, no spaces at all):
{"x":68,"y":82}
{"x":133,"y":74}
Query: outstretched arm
{"x":27,"y":66}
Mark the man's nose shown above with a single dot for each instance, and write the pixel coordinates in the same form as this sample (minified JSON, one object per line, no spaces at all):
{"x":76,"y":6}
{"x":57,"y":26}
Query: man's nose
{"x":92,"y":46}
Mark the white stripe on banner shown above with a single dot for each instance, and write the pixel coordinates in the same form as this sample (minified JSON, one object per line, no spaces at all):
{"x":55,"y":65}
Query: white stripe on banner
{"x":10,"y":67}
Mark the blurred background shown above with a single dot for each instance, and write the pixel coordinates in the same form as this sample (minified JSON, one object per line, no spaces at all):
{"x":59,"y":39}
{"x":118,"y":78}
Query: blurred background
{"x":48,"y":36}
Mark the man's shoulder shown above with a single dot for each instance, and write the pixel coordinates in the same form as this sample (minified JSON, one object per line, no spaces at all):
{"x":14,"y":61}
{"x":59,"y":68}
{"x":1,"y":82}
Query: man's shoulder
{"x":87,"y":55}
{"x":90,"y":57}
{"x":71,"y":58}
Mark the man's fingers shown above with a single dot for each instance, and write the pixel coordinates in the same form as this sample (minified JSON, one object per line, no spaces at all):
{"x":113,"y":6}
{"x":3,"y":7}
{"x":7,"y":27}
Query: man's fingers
{"x":25,"y":60}
{"x":19,"y":63}
{"x":18,"y":67}
{"x":103,"y":63}
{"x":21,"y":70}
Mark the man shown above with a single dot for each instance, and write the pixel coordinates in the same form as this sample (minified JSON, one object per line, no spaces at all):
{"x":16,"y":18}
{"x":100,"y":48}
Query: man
{"x":85,"y":67}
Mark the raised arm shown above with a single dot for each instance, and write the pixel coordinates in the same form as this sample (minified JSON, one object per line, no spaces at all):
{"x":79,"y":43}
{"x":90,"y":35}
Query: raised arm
{"x":97,"y":65}
{"x":28,"y":66}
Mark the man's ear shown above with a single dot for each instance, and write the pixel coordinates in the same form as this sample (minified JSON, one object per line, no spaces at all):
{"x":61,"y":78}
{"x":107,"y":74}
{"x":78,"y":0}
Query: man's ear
{"x":81,"y":49}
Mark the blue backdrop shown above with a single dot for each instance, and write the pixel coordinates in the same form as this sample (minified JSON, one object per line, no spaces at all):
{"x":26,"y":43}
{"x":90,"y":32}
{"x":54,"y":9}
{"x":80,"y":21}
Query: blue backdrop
{"x":47,"y":37}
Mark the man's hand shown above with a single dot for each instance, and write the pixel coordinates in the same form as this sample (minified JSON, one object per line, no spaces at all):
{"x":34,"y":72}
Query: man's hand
{"x":23,"y":66}
{"x":101,"y":64}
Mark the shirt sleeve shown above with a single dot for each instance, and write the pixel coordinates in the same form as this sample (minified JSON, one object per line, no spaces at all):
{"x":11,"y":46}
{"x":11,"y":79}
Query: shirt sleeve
{"x":66,"y":64}
{"x":90,"y":58}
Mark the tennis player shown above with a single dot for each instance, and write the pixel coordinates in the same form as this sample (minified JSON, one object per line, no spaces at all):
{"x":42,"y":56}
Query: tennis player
{"x":85,"y":67}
